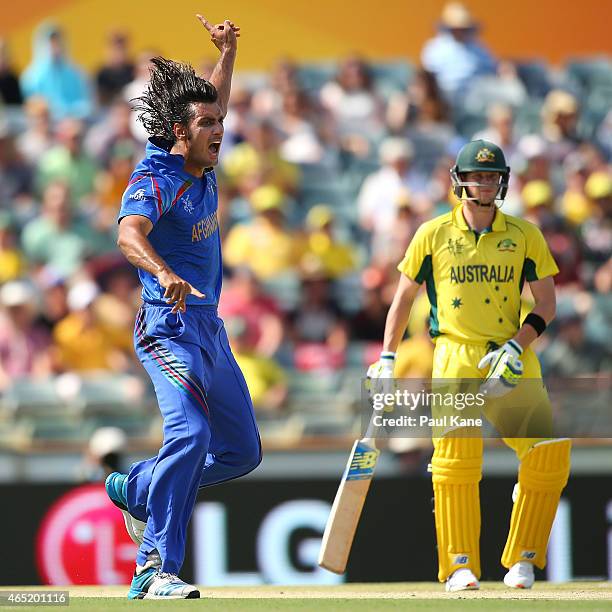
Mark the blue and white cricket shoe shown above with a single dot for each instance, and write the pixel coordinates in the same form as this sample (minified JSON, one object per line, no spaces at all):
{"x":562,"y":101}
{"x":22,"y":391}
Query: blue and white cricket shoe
{"x":116,"y":489}
{"x":155,"y":584}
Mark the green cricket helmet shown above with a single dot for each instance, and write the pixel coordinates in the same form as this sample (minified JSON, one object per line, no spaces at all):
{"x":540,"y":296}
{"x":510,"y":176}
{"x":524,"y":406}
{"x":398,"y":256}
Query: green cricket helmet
{"x":480,"y":156}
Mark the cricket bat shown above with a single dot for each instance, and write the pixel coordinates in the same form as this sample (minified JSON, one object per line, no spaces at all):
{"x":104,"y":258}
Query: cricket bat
{"x":348,"y":504}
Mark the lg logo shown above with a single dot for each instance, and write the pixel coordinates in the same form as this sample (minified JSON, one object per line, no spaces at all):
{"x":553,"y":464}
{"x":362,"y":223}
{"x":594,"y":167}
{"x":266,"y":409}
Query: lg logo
{"x":272,"y":545}
{"x":82,"y":540}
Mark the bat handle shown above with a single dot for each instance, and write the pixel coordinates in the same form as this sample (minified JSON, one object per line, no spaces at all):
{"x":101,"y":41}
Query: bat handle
{"x":370,"y":435}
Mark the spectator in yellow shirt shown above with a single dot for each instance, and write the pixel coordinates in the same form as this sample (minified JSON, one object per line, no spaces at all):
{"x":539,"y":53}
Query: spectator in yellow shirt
{"x":83,"y":344}
{"x":258,"y":161}
{"x":324,"y":251}
{"x":265,"y":379}
{"x":12,"y":263}
{"x":111,"y":183}
{"x":264,"y":245}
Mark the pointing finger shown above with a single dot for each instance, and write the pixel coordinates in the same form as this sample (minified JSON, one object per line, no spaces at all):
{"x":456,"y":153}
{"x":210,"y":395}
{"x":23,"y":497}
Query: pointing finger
{"x":205,"y":23}
{"x":197,"y":293}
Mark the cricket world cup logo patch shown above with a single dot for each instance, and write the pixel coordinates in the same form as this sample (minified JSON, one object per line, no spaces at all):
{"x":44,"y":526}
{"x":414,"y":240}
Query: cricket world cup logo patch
{"x":363,"y":462}
{"x":187,"y":204}
{"x":455,"y":246}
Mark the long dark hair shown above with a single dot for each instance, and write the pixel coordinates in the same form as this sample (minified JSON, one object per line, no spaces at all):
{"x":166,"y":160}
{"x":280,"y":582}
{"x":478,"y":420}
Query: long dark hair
{"x":173,"y":87}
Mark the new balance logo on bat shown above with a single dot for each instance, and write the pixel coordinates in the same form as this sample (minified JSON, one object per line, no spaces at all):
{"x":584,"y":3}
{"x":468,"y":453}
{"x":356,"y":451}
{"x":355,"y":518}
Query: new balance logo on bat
{"x":363,"y":463}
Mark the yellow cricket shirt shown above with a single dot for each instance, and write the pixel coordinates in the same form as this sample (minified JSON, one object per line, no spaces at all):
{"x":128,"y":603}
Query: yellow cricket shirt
{"x":473,"y":282}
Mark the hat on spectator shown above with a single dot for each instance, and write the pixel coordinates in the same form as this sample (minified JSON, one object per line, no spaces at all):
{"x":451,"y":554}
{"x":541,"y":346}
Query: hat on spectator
{"x":532,"y":146}
{"x":456,"y":16}
{"x":404,"y":198}
{"x":395,"y":149}
{"x":319,"y":216}
{"x":559,"y":102}
{"x":106,"y":440}
{"x":598,"y":185}
{"x":267,"y":197}
{"x":82,"y":295}
{"x":537,"y":193}
{"x":16,"y":293}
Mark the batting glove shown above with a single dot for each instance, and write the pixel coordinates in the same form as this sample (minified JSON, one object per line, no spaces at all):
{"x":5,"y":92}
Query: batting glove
{"x":505,"y":369}
{"x":379,"y":378}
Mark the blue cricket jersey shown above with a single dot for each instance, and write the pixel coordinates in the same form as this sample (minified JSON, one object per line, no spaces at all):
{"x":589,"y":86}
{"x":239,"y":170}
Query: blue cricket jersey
{"x":183,"y":210}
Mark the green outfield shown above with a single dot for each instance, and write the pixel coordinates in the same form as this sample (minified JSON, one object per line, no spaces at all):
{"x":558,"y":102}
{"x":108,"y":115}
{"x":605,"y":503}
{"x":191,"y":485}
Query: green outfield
{"x":392,"y":596}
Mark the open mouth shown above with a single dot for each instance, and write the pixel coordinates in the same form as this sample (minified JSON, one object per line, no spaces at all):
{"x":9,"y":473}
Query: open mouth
{"x":213,"y":148}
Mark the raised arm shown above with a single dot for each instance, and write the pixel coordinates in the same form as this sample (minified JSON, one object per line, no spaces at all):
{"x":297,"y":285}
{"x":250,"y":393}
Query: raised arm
{"x":225,"y":37}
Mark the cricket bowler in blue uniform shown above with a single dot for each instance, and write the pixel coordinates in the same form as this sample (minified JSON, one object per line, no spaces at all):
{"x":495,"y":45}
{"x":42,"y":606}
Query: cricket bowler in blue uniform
{"x":168,"y":229}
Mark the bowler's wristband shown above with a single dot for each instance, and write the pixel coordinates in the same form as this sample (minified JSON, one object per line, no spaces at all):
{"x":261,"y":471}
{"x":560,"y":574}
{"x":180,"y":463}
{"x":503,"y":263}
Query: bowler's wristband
{"x":536,"y":321}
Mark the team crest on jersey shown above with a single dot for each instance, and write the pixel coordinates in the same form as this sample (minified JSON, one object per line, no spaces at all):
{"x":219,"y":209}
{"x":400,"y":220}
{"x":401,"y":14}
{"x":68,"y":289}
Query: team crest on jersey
{"x":139,"y":194}
{"x":187,"y":204}
{"x":485,"y":155}
{"x":506,"y":245}
{"x":455,"y":246}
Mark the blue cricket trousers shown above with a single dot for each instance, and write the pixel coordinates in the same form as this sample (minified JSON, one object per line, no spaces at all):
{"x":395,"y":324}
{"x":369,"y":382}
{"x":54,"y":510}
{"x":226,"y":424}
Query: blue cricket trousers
{"x":210,"y":434}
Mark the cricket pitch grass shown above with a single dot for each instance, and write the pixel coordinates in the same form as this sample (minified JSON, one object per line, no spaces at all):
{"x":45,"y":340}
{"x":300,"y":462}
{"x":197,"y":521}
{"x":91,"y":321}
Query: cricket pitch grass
{"x":353,"y":597}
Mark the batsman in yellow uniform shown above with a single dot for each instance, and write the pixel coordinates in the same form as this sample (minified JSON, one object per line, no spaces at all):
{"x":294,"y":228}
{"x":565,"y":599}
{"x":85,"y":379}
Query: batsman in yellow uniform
{"x":474,"y":262}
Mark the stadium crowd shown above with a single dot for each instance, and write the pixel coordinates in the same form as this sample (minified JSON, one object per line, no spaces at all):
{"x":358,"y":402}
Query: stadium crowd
{"x":325,"y":174}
